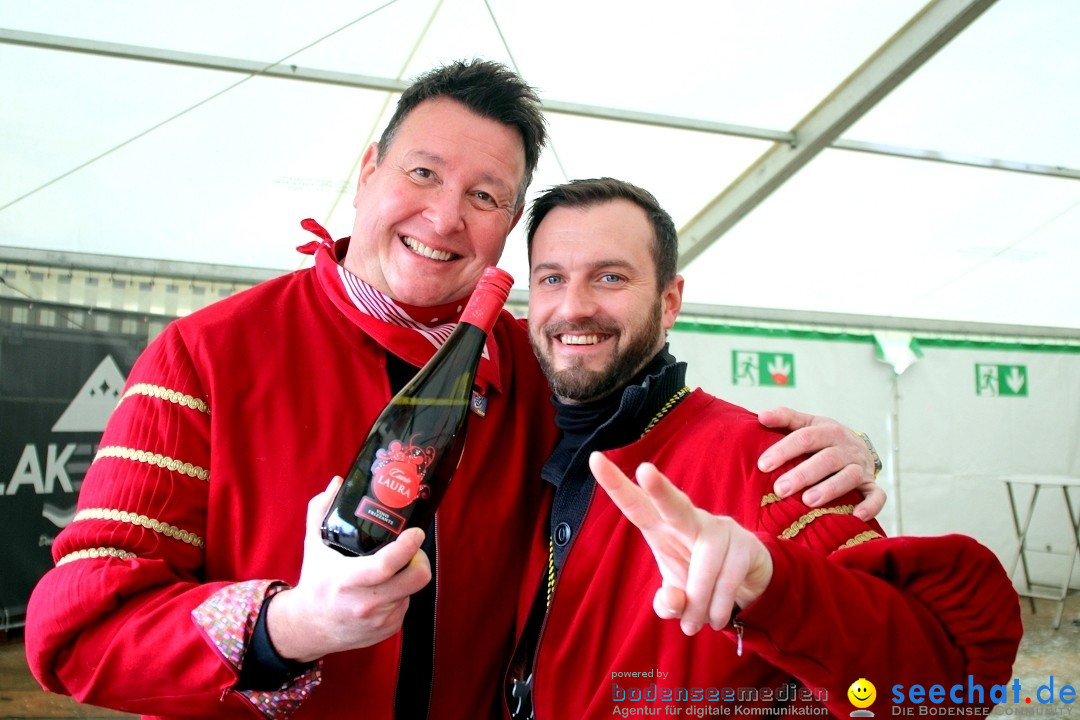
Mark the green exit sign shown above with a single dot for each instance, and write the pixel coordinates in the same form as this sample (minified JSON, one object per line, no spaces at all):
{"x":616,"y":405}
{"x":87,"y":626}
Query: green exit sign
{"x":1001,"y":380}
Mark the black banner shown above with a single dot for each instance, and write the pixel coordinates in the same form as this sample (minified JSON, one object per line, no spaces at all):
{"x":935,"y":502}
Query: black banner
{"x":58,"y":386}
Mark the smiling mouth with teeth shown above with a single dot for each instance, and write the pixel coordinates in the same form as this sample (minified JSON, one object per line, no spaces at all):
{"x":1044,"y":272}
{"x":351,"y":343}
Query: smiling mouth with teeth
{"x":423,"y":250}
{"x":579,"y":339}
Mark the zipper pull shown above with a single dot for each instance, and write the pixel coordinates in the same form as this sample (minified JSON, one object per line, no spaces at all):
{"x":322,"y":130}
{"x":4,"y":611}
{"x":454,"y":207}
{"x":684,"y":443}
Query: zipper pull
{"x":739,"y":627}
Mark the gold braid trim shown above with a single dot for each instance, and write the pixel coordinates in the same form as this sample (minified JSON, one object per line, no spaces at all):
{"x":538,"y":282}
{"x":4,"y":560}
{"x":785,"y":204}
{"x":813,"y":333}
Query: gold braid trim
{"x":551,"y":570}
{"x":671,"y":403}
{"x":162,"y":461}
{"x":162,"y":393}
{"x":860,"y":539}
{"x":142,"y":520}
{"x":770,"y":499}
{"x":797,"y":526}
{"x":95,"y":553}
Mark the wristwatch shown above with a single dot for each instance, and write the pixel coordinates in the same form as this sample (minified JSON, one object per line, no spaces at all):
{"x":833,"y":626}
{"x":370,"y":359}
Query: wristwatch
{"x":870,"y":446}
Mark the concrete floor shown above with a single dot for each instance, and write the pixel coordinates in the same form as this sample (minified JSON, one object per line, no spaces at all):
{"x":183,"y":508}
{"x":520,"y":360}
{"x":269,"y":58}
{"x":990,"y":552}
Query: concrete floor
{"x":1046,"y":652}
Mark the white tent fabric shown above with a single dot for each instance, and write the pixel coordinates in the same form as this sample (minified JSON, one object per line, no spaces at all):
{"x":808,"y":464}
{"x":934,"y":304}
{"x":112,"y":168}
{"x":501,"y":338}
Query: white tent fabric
{"x":947,"y":442}
{"x":905,"y":160}
{"x":108,"y":154}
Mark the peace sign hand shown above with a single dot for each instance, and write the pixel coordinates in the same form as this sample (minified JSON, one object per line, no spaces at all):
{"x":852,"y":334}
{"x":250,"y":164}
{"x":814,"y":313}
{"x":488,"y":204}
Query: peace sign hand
{"x":709,"y":563}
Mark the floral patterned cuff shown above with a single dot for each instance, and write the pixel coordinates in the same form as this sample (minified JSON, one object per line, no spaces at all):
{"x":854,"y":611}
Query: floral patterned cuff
{"x":228,"y":618}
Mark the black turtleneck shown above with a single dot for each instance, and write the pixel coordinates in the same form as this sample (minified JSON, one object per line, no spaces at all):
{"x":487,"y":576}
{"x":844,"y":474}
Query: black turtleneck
{"x":612,"y":421}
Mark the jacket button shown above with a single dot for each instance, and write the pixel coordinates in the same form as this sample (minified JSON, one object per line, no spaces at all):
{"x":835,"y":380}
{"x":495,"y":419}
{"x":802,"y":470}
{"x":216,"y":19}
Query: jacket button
{"x":562,"y":534}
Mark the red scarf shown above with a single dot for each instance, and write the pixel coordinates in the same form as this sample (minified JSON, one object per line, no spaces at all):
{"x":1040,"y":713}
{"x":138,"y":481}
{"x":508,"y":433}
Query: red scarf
{"x":412,"y":333}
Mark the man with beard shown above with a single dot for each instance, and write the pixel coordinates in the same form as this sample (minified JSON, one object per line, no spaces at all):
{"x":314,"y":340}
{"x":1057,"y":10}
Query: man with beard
{"x":819,"y":597}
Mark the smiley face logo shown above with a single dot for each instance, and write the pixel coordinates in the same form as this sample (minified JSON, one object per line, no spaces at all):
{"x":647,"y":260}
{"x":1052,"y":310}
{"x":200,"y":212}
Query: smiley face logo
{"x":862,"y":693}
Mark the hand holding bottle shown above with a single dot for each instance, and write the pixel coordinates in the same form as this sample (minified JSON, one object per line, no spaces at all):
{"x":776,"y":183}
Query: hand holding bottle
{"x":343,"y":603}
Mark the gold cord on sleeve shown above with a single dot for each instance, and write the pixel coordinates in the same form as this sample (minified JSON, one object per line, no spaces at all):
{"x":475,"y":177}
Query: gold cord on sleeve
{"x":796,"y":527}
{"x":860,"y":539}
{"x":141,"y":520}
{"x":163,"y":393}
{"x":162,"y":461}
{"x":95,"y":553}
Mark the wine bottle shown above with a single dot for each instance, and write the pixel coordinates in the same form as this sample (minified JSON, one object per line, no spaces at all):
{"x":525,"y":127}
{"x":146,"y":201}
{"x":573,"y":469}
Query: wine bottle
{"x":410,"y":455}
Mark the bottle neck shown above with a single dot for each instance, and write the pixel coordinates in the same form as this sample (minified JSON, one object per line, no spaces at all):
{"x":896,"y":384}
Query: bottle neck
{"x":487,"y":299}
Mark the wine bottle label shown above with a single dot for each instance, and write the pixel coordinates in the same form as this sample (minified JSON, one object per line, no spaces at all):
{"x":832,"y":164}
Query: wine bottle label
{"x":376,"y":513}
{"x":397,"y":474}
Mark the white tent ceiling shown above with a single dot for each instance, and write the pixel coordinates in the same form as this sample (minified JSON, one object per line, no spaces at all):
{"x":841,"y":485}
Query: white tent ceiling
{"x":886,"y":158}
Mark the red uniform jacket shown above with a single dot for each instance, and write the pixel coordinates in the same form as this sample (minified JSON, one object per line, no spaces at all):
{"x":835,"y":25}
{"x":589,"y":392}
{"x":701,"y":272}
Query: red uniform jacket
{"x":844,"y":603}
{"x":232,"y":420}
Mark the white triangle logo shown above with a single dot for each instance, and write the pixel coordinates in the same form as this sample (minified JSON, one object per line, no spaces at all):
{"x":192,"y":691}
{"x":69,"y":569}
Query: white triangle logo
{"x":94,"y":403}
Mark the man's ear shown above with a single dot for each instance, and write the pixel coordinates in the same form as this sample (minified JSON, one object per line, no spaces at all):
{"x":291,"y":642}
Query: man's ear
{"x":368,"y":162}
{"x":671,"y":302}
